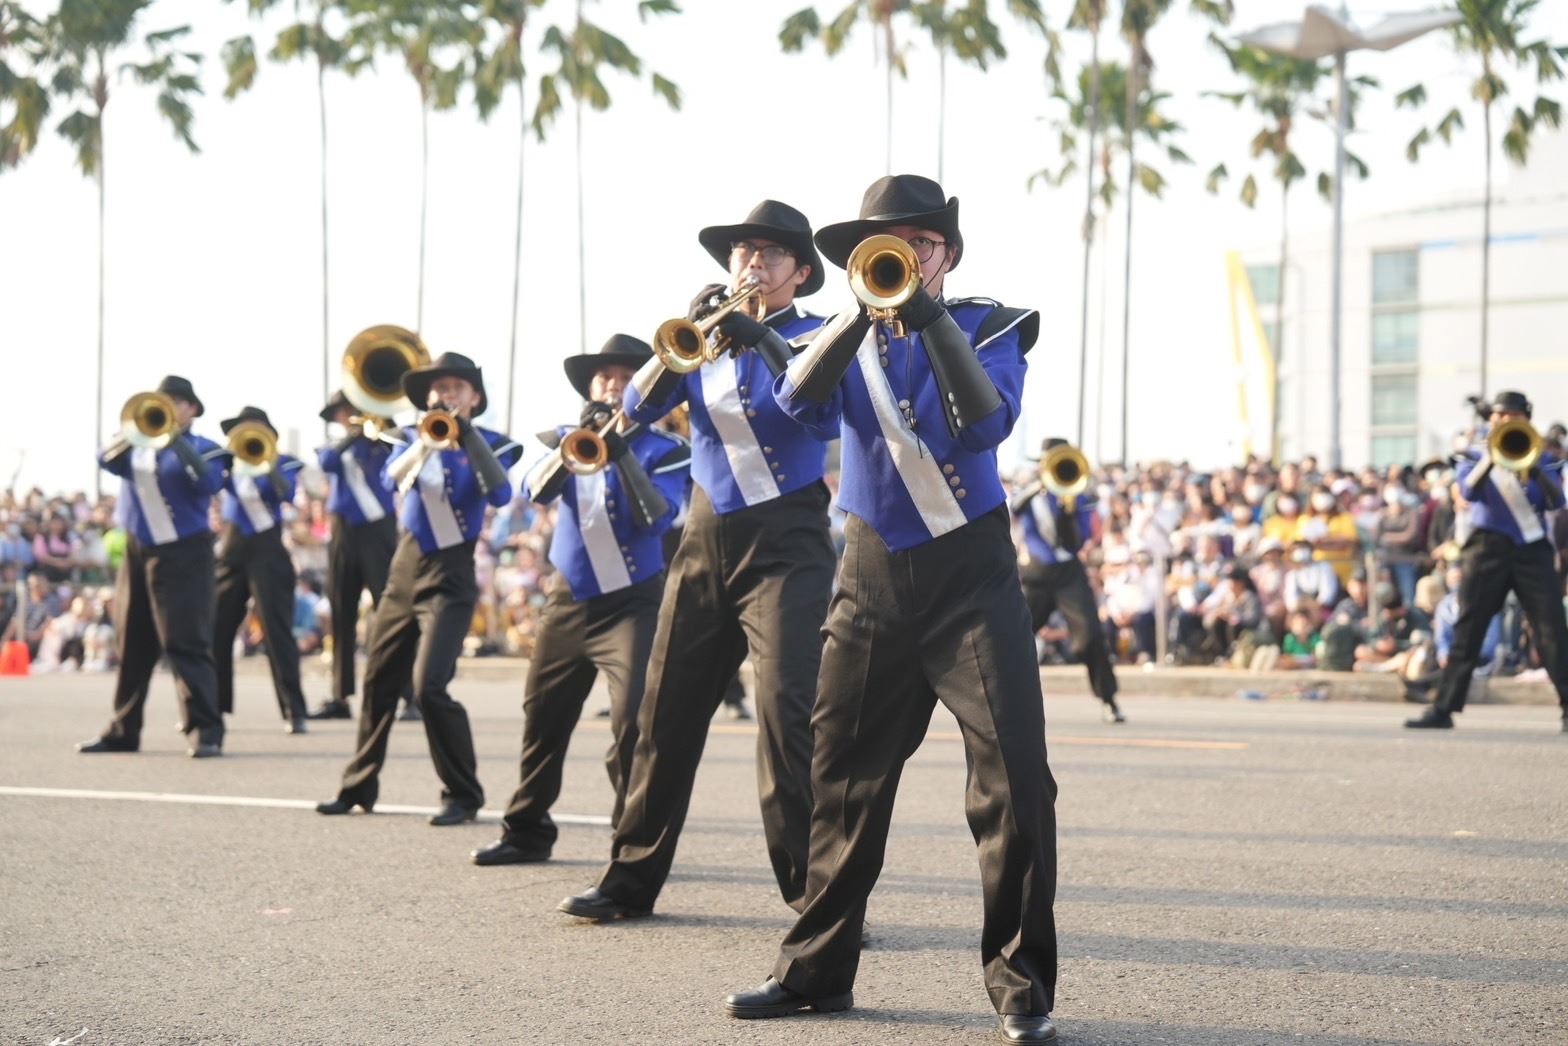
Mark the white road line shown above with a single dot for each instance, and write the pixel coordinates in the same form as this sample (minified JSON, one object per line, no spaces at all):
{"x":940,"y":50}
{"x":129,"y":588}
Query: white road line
{"x":258,"y":802}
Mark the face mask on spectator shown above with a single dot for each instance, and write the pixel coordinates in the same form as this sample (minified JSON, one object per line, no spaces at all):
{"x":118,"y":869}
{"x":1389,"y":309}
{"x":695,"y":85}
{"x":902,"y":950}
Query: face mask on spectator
{"x":1301,"y":555}
{"x":1242,"y":516}
{"x":1440,"y":492}
{"x":1392,"y":495}
{"x":1285,"y":506}
{"x":1150,"y":498}
{"x":1323,"y":502}
{"x":1253,"y":493}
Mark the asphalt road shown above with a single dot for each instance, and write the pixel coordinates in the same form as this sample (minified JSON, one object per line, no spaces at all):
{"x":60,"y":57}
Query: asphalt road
{"x":1231,"y":873}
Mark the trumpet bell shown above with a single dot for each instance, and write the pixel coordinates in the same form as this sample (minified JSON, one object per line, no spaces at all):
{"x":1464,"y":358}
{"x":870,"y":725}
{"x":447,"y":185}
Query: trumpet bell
{"x":254,"y":447}
{"x":1515,"y":445}
{"x":583,"y":452}
{"x":1064,"y":471}
{"x":680,"y":345}
{"x":373,"y":367}
{"x":148,"y":420}
{"x":883,"y":272}
{"x":438,"y":430}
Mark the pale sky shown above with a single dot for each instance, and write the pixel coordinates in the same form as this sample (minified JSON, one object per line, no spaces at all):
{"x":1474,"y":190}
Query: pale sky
{"x":214,"y":260}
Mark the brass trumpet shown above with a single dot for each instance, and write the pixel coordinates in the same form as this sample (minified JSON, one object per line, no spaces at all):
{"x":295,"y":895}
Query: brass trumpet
{"x":148,"y":420}
{"x":373,"y":367}
{"x":883,"y":274}
{"x":583,"y":450}
{"x":438,"y":429}
{"x":255,"y":448}
{"x":682,"y":345}
{"x":1515,"y":445}
{"x":1064,"y":471}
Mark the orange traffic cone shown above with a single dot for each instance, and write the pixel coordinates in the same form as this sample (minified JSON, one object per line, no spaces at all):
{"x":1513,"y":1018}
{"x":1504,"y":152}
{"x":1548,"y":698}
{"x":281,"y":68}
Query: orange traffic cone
{"x":14,"y":660}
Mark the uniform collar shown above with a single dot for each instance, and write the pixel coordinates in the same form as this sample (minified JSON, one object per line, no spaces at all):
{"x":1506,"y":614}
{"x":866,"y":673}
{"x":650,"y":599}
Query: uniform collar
{"x":784,"y":315}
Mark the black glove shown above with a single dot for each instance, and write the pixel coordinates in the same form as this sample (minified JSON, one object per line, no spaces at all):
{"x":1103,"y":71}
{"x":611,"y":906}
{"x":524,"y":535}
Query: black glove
{"x":614,"y":445}
{"x":920,"y":311}
{"x":595,"y":414}
{"x":1067,"y":535}
{"x":700,"y":305}
{"x":743,"y":330}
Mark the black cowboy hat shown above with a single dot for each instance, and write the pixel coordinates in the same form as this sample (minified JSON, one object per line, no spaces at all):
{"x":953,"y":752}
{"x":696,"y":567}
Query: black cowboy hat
{"x":417,"y":382}
{"x":247,"y":414}
{"x":769,"y":220}
{"x":1510,"y":402}
{"x":621,"y":350}
{"x":336,"y":403}
{"x":176,"y":387}
{"x":896,"y":199}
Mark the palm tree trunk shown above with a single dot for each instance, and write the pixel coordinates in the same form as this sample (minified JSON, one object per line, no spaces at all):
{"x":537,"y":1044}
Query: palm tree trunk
{"x":887,"y":54}
{"x":1486,"y":241}
{"x":582,"y":248}
{"x":98,"y":417}
{"x":424,"y":200}
{"x":517,"y":252}
{"x":1132,"y":186}
{"x":941,"y":109}
{"x":1278,"y":348}
{"x":1088,"y":221}
{"x":321,"y":112}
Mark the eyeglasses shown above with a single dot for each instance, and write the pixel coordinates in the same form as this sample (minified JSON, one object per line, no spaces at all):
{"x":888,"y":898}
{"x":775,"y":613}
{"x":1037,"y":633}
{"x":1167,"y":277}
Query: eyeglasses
{"x":924,"y":247}
{"x":772,"y":254}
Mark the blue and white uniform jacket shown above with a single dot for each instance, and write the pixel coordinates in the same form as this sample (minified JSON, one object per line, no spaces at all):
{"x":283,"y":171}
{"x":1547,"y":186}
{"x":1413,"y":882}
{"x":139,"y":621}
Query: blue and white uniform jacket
{"x":1037,"y":521}
{"x":1505,"y":501}
{"x":159,"y":503}
{"x":355,"y":493}
{"x":250,"y":503}
{"x":445,"y":506}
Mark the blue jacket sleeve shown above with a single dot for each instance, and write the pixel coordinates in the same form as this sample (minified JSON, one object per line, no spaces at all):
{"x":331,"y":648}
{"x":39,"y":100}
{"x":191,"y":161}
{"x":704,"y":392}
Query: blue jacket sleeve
{"x":670,"y":474}
{"x":330,"y":460}
{"x":822,"y":420}
{"x":120,"y":466}
{"x":649,"y":412}
{"x":216,"y":475}
{"x":288,"y":472}
{"x":507,"y":453}
{"x":1004,"y":364}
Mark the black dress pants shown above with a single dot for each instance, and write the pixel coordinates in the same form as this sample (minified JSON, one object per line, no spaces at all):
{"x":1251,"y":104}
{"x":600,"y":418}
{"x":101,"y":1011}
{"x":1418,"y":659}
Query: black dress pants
{"x":418,"y":631}
{"x":944,"y":621}
{"x":257,"y":567}
{"x":1049,"y":587}
{"x":1491,"y":565}
{"x":163,"y":599}
{"x":754,"y":580}
{"x":358,"y":559}
{"x":577,"y":640}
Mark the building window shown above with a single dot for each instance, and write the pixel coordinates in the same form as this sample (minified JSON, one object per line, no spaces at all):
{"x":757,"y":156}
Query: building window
{"x":1265,"y":283}
{"x":1271,"y":335}
{"x":1392,"y":450}
{"x":1393,"y":399}
{"x":1395,"y":336}
{"x":1395,"y":277}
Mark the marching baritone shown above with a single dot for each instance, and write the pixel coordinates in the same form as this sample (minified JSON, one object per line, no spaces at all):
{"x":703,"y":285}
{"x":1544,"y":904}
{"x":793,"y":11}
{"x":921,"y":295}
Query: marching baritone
{"x":163,"y":597}
{"x":618,"y":483}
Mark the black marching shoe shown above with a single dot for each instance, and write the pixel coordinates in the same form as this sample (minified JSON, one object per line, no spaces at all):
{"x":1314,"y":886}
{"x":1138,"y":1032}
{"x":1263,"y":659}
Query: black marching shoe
{"x":410,"y":713}
{"x":599,"y":907}
{"x":503,"y":852}
{"x":331,"y":710}
{"x":340,"y":806}
{"x":295,"y":725}
{"x":205,"y":750}
{"x":103,"y":744}
{"x":1112,"y":713}
{"x":1431,"y":719}
{"x":1565,"y":722}
{"x":453,"y":813}
{"x":1024,"y":1028}
{"x":772,"y":999}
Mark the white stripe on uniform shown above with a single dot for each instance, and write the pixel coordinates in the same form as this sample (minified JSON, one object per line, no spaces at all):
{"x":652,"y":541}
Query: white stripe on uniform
{"x":255,"y":509}
{"x":144,"y":473}
{"x":1518,"y":502}
{"x":438,"y":510}
{"x":916,"y":466}
{"x":364,"y":497}
{"x":593,"y":519}
{"x":721,"y":395}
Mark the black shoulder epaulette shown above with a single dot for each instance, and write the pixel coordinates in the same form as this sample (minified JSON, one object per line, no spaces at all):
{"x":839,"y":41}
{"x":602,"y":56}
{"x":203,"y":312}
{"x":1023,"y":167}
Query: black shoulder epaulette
{"x":950,"y":302}
{"x":1003,"y":319}
{"x":550,"y":438}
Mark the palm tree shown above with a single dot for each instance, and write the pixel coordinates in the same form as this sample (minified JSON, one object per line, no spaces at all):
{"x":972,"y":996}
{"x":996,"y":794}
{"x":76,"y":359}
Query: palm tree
{"x":805,"y":25}
{"x":1492,"y":31}
{"x":1279,"y":89}
{"x":418,"y":31}
{"x":86,"y":39}
{"x":24,"y":101}
{"x":1088,"y":15}
{"x":581,"y":52}
{"x":305,"y":39}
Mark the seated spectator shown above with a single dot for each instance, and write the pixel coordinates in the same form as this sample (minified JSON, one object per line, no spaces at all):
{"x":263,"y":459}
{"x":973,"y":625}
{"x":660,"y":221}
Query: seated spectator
{"x":1232,"y":611}
{"x":1268,"y":578}
{"x":1390,"y":627}
{"x":54,"y":551}
{"x":1130,"y":597}
{"x":308,"y":633}
{"x":1332,"y":532}
{"x":61,"y":648}
{"x":43,"y":605}
{"x":1299,"y":648}
{"x":1245,"y":531}
{"x":1308,"y":581}
{"x":16,"y":547}
{"x":1282,"y":525}
{"x":1400,"y":543}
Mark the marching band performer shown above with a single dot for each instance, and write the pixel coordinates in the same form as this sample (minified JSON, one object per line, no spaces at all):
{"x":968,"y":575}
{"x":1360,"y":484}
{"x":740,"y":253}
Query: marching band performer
{"x":928,"y":607}
{"x":364,"y":537}
{"x":601,"y":614}
{"x":451,"y":469}
{"x":163,"y":597}
{"x":752,"y":575}
{"x":1054,"y":578}
{"x":254,"y":565}
{"x":1507,"y":550}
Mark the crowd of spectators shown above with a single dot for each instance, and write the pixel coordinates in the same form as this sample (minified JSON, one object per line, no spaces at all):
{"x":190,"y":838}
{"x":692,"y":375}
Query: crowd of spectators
{"x":1251,"y":567}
